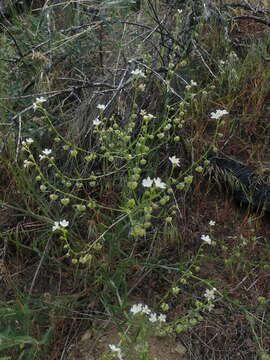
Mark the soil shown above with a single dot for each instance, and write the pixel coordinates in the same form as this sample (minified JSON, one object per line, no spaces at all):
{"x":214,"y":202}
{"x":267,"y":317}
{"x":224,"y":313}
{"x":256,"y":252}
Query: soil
{"x":94,"y":348}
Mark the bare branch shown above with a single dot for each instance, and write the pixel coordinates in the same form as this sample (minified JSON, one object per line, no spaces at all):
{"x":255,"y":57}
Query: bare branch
{"x":254,"y":18}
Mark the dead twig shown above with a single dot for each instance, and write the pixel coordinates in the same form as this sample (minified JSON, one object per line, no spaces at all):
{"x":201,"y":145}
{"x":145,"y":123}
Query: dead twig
{"x":38,"y":268}
{"x":251,"y":17}
{"x":14,"y":40}
{"x":247,"y":7}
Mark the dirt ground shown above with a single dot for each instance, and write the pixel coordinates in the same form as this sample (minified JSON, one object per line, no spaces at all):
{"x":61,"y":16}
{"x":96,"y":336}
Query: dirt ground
{"x":94,"y":348}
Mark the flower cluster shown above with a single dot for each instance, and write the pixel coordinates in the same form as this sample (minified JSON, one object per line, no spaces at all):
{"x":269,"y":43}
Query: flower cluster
{"x":147,"y":117}
{"x":45,"y":154}
{"x":218,"y":114}
{"x":96,"y":122}
{"x":144,"y":309}
{"x":27,"y":142}
{"x":101,"y":107}
{"x":148,"y":182}
{"x":58,"y":225}
{"x":138,"y":73}
{"x":210,"y":297}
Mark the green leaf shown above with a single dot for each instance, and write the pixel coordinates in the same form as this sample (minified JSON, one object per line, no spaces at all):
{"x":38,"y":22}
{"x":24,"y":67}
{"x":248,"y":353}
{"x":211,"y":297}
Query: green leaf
{"x":7,"y":342}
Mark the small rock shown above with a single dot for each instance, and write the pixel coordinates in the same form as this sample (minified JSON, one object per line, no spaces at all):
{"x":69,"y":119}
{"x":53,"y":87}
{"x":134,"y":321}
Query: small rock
{"x":180,"y":349}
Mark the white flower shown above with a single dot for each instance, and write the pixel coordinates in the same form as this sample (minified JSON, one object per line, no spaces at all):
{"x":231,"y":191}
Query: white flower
{"x":145,"y":310}
{"x":56,"y":226}
{"x":148,"y":182}
{"x":101,"y":107}
{"x":210,"y":294}
{"x":136,"y":308}
{"x":212,"y":223}
{"x":159,"y":183}
{"x":29,"y":141}
{"x":27,"y":163}
{"x":114,"y":348}
{"x":41,"y":157}
{"x":148,"y":117}
{"x":138,"y":73}
{"x":117,"y":350}
{"x":46,"y":151}
{"x":153,"y":318}
{"x":207,"y":239}
{"x":96,"y":122}
{"x":162,"y":318}
{"x":64,"y":223}
{"x":40,"y":99}
{"x":174,"y":160}
{"x":218,"y":114}
{"x":192,"y":83}
{"x":141,"y":87}
{"x":140,"y":308}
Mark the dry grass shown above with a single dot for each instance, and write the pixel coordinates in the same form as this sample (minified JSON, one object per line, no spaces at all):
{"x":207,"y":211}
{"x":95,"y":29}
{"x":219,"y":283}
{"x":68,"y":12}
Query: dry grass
{"x":37,"y":277}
